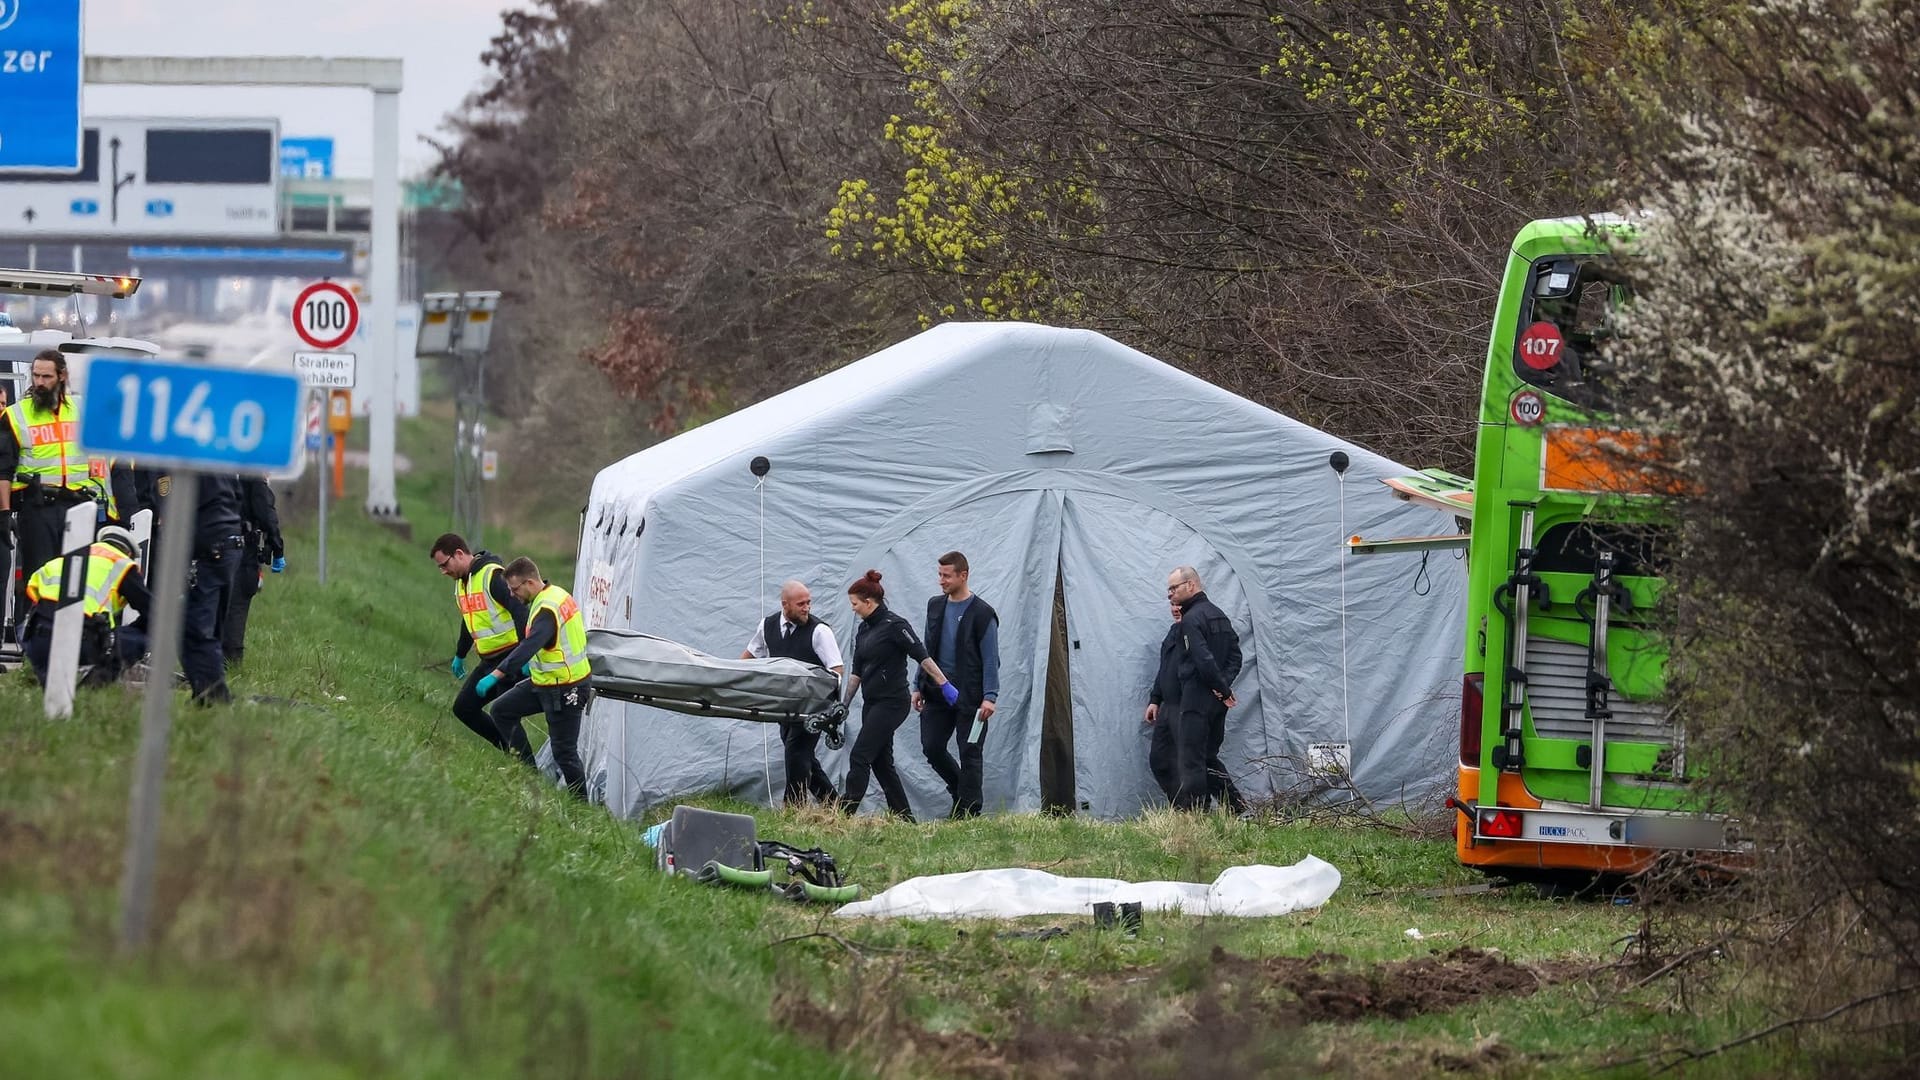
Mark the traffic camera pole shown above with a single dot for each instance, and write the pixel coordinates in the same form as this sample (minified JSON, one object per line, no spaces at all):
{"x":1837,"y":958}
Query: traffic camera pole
{"x":156,"y":715}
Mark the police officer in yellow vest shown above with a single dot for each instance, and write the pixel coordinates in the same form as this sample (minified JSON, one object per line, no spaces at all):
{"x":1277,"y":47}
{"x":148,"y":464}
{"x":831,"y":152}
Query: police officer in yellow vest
{"x":40,"y":458}
{"x":113,"y":586}
{"x":555,"y":654}
{"x":492,"y":621}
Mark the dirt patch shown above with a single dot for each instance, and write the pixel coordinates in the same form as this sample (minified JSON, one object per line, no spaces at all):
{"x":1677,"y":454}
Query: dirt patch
{"x":1214,"y":1012}
{"x":1324,"y":989}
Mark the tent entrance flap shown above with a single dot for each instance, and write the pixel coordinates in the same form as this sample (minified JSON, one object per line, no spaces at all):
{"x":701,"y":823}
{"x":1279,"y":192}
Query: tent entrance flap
{"x":1115,"y":582}
{"x":1056,"y":722}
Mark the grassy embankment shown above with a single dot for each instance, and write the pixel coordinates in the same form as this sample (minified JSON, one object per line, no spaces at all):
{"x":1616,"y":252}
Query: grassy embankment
{"x":352,"y":885}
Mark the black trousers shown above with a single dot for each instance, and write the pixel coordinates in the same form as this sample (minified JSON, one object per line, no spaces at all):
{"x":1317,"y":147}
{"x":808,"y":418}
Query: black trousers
{"x":209,"y":587}
{"x":40,"y":527}
{"x":564,"y":707}
{"x":873,"y":753}
{"x":941,"y":724}
{"x":1198,"y":729}
{"x":130,"y":644}
{"x":1160,"y":751}
{"x":804,"y":774}
{"x":471,"y":709}
{"x":246,"y":586}
{"x":1192,"y":733}
{"x":1220,"y":786}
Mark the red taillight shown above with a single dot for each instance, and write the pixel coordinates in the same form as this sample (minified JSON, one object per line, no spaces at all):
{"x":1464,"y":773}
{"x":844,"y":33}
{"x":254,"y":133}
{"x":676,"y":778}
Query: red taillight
{"x":1473,"y":700}
{"x":1501,"y":823}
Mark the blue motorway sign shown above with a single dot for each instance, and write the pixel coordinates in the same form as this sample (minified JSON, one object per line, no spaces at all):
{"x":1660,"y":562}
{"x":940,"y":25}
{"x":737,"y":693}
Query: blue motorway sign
{"x":305,"y":159}
{"x":195,"y":416}
{"x":41,"y":68}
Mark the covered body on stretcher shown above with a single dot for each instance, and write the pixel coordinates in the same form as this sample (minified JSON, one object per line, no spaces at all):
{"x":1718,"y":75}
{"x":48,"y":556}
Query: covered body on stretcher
{"x":665,"y":674}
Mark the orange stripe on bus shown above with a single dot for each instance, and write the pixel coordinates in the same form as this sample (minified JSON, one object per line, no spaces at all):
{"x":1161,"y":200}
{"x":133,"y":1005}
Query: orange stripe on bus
{"x":1603,"y":462}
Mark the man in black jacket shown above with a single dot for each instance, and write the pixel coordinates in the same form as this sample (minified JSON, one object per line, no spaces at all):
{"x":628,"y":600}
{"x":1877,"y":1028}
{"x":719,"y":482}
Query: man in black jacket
{"x":217,"y":541}
{"x":963,"y":637}
{"x":1162,"y":701}
{"x":262,"y":546}
{"x":794,"y":632}
{"x":1208,"y":662}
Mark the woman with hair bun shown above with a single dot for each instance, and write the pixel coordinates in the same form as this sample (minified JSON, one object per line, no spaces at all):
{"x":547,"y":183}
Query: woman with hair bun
{"x":881,"y":648}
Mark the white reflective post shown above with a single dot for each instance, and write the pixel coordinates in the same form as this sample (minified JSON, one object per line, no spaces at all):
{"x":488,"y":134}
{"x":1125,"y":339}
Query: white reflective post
{"x":141,"y":526}
{"x":63,"y":661}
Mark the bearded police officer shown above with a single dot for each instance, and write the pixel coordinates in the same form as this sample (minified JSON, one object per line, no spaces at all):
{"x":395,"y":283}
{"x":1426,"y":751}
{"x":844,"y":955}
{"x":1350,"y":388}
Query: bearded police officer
{"x":46,"y":472}
{"x":793,"y":632}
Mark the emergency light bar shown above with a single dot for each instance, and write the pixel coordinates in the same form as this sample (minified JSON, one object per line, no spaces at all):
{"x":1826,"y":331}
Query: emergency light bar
{"x":63,"y":283}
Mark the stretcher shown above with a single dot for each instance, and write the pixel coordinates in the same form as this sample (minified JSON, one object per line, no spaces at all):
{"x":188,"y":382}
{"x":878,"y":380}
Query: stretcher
{"x":648,"y":670}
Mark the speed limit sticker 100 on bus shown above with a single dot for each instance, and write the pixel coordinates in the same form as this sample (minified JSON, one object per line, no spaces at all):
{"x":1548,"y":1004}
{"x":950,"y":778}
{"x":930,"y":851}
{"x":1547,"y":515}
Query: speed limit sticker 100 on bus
{"x":1528,"y":408}
{"x":325,"y":315}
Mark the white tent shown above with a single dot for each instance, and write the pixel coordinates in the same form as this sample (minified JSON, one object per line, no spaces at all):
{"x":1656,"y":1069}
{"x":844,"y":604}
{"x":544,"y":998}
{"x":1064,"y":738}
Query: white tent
{"x":1050,"y":457}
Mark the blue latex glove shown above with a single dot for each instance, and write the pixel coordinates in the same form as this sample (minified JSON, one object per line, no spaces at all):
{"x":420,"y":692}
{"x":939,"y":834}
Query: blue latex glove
{"x":526,"y":669}
{"x":485,"y":685}
{"x":459,"y":667}
{"x":951,"y":694}
{"x":279,"y":564}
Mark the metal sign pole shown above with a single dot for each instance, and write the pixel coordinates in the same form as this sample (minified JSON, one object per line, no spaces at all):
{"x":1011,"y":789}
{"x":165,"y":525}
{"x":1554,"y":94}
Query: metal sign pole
{"x":479,"y":447}
{"x":156,"y":715}
{"x":319,"y":473}
{"x":458,"y":326}
{"x":463,"y":516}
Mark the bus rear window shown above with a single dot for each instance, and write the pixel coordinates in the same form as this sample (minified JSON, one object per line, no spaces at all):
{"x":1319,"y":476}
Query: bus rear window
{"x":1573,"y":547}
{"x":1565,"y":322}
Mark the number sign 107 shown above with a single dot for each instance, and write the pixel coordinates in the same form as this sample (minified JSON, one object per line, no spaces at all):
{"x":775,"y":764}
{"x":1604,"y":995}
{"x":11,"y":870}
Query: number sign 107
{"x":194,"y":421}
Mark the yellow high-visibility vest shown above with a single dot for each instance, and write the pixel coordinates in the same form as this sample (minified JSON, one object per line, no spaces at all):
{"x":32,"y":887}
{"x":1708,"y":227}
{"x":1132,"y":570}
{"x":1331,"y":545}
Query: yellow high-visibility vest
{"x":50,"y":448}
{"x":488,"y":622}
{"x":566,"y":661}
{"x":107,"y":570}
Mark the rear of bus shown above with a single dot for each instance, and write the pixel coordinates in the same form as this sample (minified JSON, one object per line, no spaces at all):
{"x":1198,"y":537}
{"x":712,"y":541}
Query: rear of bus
{"x":1570,"y":760}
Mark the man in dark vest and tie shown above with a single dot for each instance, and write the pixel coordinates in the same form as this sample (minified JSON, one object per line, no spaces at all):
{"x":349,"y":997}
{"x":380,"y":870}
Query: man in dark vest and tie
{"x":963,"y":637}
{"x":793,"y":632}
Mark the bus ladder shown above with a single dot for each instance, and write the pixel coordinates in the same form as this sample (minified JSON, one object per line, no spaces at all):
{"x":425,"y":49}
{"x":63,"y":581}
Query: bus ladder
{"x":1604,"y":593}
{"x":1519,"y":589}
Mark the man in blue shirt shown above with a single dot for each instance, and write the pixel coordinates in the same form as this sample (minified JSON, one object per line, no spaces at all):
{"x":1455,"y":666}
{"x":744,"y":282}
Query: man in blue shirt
{"x":963,"y":637}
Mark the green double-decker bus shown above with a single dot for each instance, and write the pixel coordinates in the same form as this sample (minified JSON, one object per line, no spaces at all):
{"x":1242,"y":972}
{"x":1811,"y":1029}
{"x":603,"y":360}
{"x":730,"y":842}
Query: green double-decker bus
{"x":1571,"y":762}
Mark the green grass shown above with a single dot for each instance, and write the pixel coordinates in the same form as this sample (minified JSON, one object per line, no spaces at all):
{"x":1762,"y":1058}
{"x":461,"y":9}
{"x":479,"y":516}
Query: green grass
{"x":352,"y":885}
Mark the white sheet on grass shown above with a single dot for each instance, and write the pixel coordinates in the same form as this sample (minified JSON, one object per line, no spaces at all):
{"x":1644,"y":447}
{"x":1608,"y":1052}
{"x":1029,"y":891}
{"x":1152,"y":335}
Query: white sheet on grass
{"x":1008,"y":893}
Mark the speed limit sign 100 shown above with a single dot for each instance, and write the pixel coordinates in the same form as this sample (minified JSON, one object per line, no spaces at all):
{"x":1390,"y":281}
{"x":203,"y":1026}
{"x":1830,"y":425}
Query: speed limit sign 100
{"x":326,"y":315}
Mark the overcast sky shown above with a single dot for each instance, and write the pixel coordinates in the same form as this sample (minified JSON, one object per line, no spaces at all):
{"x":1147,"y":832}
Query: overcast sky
{"x":440,"y":41}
